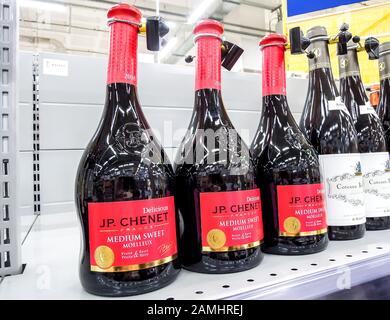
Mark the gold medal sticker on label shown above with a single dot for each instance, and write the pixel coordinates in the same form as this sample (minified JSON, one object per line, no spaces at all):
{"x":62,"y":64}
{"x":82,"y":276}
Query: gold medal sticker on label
{"x":104,"y":257}
{"x":292,"y":225}
{"x":216,"y":238}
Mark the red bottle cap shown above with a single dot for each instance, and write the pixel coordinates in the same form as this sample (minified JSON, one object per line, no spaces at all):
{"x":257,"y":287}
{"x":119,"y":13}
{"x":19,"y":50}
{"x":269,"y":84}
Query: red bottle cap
{"x":124,"y":11}
{"x":274,"y":74}
{"x":273,"y":39}
{"x":209,"y":26}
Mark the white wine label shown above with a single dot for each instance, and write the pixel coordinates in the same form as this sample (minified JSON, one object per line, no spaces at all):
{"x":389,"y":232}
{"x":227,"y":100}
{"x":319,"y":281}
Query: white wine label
{"x":337,"y":104}
{"x":344,"y":196}
{"x":363,"y":109}
{"x":366,"y":109}
{"x":376,"y":183}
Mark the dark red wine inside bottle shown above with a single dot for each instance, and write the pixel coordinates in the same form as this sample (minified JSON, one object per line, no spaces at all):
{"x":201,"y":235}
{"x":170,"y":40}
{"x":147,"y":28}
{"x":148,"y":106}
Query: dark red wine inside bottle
{"x":125,"y":184}
{"x":287,"y":167}
{"x":383,"y":108}
{"x":371,"y":142}
{"x":218,"y":200}
{"x":328,"y":125}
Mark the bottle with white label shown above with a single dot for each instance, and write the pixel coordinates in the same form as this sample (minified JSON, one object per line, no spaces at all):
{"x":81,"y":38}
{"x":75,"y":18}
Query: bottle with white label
{"x":383,"y":109}
{"x":328,"y":125}
{"x":371,"y":141}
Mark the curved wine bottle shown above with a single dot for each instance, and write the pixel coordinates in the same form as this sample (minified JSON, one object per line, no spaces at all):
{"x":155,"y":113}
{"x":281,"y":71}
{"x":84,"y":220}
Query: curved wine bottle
{"x":371,"y":141}
{"x":125,"y":184}
{"x":217,"y":197}
{"x":329,"y":127}
{"x":383,"y":109}
{"x":287,"y":167}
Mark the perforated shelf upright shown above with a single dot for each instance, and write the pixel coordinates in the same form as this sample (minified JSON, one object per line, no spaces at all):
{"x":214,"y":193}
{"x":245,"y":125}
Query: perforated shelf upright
{"x":10,"y":262}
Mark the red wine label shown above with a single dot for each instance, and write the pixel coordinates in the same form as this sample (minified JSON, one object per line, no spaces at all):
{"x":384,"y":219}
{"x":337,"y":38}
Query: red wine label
{"x":301,"y":210}
{"x":131,"y":235}
{"x":231,"y":220}
{"x":274,"y":74}
{"x":208,"y":66}
{"x":122,"y":59}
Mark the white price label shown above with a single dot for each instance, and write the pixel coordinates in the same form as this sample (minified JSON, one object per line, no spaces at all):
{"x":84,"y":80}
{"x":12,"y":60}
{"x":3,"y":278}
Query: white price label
{"x":366,"y":109}
{"x":55,"y":67}
{"x":337,"y":104}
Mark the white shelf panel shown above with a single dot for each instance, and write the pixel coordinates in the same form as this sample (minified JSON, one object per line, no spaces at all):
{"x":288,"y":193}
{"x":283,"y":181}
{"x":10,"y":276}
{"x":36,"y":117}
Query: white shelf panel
{"x":51,"y":254}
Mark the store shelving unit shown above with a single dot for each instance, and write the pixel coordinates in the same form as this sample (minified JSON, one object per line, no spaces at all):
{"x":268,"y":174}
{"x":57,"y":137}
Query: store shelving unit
{"x":52,"y":270}
{"x":342,"y":266}
{"x":10,"y":262}
{"x":51,"y":250}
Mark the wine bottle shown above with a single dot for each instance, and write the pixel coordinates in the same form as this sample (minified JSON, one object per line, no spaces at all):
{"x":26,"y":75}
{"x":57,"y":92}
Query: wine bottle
{"x":217,"y":197}
{"x":329,"y":127}
{"x":371,"y":141}
{"x":287,"y":166}
{"x":125,"y":184}
{"x":383,"y":109}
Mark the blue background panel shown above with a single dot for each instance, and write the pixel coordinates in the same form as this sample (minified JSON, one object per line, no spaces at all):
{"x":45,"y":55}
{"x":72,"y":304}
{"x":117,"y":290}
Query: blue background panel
{"x":296,"y":7}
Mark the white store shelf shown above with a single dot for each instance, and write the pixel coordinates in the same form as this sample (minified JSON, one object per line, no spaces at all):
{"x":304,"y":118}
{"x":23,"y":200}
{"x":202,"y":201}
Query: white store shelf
{"x":52,"y":249}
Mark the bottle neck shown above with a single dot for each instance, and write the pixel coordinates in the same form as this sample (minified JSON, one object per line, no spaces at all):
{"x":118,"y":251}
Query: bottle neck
{"x":122,"y":58}
{"x":349,"y":65}
{"x":383,"y":108}
{"x":122,"y":107}
{"x":321,"y":83}
{"x":321,"y":79}
{"x":353,"y":94}
{"x":354,"y":85}
{"x":209,"y":109}
{"x":208,"y":64}
{"x":351,"y":86}
{"x":321,"y":58}
{"x":384,"y":95}
{"x":275,"y":105}
{"x":273,"y":72}
{"x":274,"y":82}
{"x":384,"y":67}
